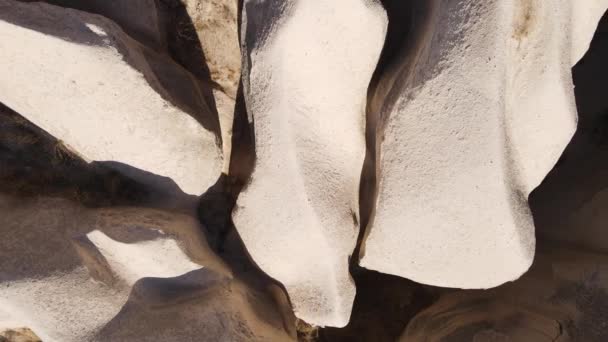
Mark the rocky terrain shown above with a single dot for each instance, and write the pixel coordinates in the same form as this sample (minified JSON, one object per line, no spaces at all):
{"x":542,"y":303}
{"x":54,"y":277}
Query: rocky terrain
{"x":303,"y":170}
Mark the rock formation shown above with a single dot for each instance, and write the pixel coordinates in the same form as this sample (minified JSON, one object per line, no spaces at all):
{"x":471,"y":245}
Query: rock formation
{"x":215,"y":25}
{"x":147,"y":26}
{"x":75,"y":274}
{"x":215,"y":22}
{"x":561,"y":298}
{"x":464,"y":137}
{"x":107,"y":96}
{"x":306,"y":71}
{"x":380,"y":146}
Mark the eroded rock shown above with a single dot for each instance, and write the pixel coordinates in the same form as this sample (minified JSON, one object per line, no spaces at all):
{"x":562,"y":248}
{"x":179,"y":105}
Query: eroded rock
{"x":18,"y":335}
{"x":75,"y":274}
{"x":141,"y":19}
{"x":562,"y":298}
{"x":307,"y":65}
{"x":473,"y":117}
{"x":215,"y":22}
{"x":106,"y":96}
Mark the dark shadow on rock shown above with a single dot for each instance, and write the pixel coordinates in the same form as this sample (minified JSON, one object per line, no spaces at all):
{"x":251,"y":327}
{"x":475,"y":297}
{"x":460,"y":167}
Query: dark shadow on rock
{"x":178,"y":77}
{"x":561,"y":298}
{"x":141,"y":19}
{"x":564,"y":295}
{"x":200,"y":304}
{"x":215,"y":213}
{"x":384,"y":303}
{"x":571,"y":204}
{"x":34,"y":163}
{"x":383,"y":306}
{"x":217,"y":204}
{"x":185,"y":48}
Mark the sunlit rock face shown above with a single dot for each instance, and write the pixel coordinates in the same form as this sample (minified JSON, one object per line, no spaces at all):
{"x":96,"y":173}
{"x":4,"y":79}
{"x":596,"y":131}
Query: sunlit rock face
{"x":479,"y":111}
{"x":306,"y":71}
{"x":111,"y":99}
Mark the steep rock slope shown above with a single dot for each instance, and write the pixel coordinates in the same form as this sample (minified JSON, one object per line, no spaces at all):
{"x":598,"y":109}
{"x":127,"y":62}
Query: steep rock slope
{"x":111,"y":99}
{"x":471,"y":120}
{"x":307,"y":65}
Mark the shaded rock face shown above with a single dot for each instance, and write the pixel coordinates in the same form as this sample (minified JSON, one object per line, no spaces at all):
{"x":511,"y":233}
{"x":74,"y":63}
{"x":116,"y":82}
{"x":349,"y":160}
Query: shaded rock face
{"x":562,"y":298}
{"x":100,"y":251}
{"x":463,"y":139}
{"x":569,"y":206}
{"x":18,"y":335}
{"x":110,"y":75}
{"x":74,"y":274}
{"x":147,"y":26}
{"x":306,"y":72}
{"x":215,"y":22}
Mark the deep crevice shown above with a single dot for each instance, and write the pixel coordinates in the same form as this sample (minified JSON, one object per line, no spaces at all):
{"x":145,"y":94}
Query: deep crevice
{"x":408,"y":25}
{"x":384,"y":303}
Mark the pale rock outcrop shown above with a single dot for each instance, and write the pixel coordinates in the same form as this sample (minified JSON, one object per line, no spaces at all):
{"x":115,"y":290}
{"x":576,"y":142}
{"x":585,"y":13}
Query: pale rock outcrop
{"x":307,"y":65}
{"x":121,"y":274}
{"x":480,"y":112}
{"x":111,"y":99}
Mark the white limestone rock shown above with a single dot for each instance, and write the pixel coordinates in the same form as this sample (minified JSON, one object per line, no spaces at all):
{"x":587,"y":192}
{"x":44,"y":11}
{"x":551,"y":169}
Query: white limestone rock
{"x":307,"y":65}
{"x":484,"y":109}
{"x":79,"y":77}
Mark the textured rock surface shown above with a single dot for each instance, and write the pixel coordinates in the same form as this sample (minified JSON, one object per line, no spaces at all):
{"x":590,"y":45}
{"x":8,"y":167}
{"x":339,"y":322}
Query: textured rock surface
{"x":18,"y":335}
{"x":216,"y":26}
{"x":562,"y":298}
{"x":570,"y":205}
{"x":306,"y":75}
{"x":211,"y":26}
{"x":466,"y":139}
{"x":76,"y":274}
{"x":118,"y":101}
{"x":141,"y":19}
